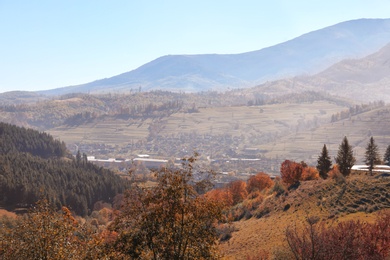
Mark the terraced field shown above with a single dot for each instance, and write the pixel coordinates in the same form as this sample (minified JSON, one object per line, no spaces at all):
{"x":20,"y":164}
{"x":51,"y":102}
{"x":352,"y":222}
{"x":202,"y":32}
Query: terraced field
{"x":254,"y":125}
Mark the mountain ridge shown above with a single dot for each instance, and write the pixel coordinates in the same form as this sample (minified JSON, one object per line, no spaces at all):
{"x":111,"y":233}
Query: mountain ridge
{"x":363,"y":80}
{"x":308,"y":53}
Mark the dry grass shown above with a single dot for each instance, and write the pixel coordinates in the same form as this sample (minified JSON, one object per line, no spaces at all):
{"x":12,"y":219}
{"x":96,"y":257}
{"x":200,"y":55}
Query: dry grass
{"x":6,"y":213}
{"x":360,"y":198}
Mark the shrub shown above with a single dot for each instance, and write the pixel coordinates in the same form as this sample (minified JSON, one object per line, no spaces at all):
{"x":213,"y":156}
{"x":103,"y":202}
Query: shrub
{"x":259,"y":182}
{"x":336,"y":175}
{"x":310,"y":173}
{"x":225,"y":231}
{"x":346,"y":240}
{"x":278,"y":188}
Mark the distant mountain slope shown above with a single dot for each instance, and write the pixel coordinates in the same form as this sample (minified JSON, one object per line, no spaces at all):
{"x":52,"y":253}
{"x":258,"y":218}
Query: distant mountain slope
{"x":308,"y":53}
{"x":366,"y":79}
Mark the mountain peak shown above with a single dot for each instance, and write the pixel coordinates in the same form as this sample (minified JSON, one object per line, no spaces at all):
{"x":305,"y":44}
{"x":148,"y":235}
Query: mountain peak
{"x":306,"y":54}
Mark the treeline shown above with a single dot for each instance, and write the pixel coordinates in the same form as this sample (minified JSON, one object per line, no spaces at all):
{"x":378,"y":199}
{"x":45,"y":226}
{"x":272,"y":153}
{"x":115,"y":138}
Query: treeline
{"x":19,"y":139}
{"x":74,"y":109}
{"x":32,"y":166}
{"x":355,"y":110}
{"x":303,"y":97}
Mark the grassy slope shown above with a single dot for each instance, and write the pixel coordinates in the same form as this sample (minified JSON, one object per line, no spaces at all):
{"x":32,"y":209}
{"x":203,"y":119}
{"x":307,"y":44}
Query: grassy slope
{"x":331,"y":201}
{"x":259,"y":124}
{"x":358,"y":129}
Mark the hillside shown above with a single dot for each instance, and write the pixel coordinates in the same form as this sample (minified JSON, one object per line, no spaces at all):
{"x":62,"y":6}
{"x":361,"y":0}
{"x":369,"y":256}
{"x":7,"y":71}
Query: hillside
{"x":358,"y":127}
{"x":233,"y":124}
{"x":33,"y":166}
{"x":356,"y":198}
{"x":309,"y":53}
{"x":362,"y":80}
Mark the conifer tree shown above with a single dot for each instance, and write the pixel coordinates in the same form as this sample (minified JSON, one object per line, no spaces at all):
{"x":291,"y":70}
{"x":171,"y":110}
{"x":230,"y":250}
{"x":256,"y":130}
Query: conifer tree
{"x":324,"y":163}
{"x":372,"y":155}
{"x":386,"y":158}
{"x":345,"y":158}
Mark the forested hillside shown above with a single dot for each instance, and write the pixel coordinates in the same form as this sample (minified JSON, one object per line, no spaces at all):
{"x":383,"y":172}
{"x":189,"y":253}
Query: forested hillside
{"x":19,"y":139}
{"x":32,"y":166}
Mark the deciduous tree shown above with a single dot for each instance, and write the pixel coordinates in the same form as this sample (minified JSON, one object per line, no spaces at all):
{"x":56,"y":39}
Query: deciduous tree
{"x":258,"y":182}
{"x":170,"y":220}
{"x":44,"y":233}
{"x":238,"y":191}
{"x":291,"y":172}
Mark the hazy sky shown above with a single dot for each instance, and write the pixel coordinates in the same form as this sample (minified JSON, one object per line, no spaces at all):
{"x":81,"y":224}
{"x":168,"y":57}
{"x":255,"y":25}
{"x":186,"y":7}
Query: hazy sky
{"x":47,"y":44}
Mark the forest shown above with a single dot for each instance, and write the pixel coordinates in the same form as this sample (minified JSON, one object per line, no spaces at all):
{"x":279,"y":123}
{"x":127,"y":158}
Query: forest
{"x":33,"y":166}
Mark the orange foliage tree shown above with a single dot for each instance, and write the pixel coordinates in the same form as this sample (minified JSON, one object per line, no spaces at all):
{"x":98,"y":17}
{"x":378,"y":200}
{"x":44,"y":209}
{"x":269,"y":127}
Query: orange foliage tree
{"x":259,"y":182}
{"x":291,"y":172}
{"x":45,"y":233}
{"x":221,"y":195}
{"x":238,"y":191}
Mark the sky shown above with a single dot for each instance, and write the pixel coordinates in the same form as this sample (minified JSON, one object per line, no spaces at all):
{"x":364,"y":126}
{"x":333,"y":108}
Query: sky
{"x":47,"y":44}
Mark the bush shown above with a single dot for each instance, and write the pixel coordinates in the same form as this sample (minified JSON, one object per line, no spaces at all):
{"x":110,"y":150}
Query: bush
{"x":278,"y":188}
{"x":336,"y":175}
{"x":258,"y":182}
{"x":347,"y":240}
{"x":225,"y":231}
{"x":310,"y":173}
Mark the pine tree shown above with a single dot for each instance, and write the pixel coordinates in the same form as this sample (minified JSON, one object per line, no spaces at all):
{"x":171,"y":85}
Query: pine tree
{"x":345,"y":158}
{"x":372,"y":155}
{"x":324,"y":163}
{"x":386,"y":158}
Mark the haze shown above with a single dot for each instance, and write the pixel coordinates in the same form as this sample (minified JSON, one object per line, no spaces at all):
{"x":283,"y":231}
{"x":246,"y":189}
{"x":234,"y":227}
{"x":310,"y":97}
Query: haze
{"x":49,"y":44}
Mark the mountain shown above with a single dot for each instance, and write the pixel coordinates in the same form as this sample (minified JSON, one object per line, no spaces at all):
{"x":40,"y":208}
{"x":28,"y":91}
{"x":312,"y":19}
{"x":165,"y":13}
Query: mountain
{"x":362,"y":80}
{"x":307,"y":54}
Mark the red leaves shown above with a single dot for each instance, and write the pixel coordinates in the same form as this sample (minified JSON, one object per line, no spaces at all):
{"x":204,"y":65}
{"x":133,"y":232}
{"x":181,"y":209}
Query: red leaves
{"x":346,"y":240}
{"x":291,"y":172}
{"x":259,"y":182}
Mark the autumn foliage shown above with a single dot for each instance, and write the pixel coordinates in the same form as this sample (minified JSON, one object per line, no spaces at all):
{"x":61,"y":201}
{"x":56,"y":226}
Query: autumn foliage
{"x":44,"y":233}
{"x":224,"y":196}
{"x":346,"y":240}
{"x":259,"y":182}
{"x":238,"y":191}
{"x":310,"y":173}
{"x":291,"y":172}
{"x":168,"y":221}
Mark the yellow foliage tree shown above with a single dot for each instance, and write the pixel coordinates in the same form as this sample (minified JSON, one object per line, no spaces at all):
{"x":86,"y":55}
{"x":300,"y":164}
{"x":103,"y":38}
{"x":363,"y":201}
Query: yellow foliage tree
{"x":168,"y":221}
{"x":44,"y":233}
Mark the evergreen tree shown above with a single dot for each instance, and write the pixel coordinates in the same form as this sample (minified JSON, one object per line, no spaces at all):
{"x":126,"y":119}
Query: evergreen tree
{"x":345,"y":158}
{"x":372,"y":155}
{"x":386,"y":158}
{"x":78,"y":157}
{"x":324,"y":163}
